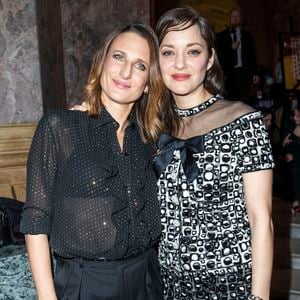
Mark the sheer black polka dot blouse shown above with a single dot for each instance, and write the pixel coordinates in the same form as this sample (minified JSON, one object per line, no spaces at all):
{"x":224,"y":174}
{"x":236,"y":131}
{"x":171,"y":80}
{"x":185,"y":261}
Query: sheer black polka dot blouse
{"x":91,"y":198}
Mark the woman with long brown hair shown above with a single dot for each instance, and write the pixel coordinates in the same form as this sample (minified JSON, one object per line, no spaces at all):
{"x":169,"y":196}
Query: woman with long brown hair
{"x":91,"y":193}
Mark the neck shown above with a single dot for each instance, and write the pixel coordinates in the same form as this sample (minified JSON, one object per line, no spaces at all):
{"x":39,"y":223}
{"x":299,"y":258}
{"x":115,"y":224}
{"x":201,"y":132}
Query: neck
{"x":120,"y":113}
{"x":191,"y":100}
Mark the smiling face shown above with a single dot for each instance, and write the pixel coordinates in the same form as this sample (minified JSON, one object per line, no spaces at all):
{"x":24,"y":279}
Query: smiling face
{"x":126,"y":70}
{"x":184,"y":60}
{"x":268,"y":121}
{"x":297,"y":117}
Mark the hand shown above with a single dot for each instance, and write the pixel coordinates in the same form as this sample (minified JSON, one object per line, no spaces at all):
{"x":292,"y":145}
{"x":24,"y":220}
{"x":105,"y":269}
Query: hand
{"x":255,"y":79}
{"x":289,"y":157}
{"x":81,"y":107}
{"x":287,"y":140}
{"x":235,"y":45}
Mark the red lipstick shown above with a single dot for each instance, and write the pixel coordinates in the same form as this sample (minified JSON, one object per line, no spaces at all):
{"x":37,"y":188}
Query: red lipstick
{"x":181,"y":77}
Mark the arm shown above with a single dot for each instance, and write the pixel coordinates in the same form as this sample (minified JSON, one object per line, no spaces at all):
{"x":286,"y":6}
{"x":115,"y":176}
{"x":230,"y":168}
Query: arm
{"x":287,"y":140}
{"x":249,"y":54}
{"x":38,"y":209}
{"x":258,"y":193}
{"x":224,"y":51}
{"x":287,"y":145}
{"x":40,"y":264}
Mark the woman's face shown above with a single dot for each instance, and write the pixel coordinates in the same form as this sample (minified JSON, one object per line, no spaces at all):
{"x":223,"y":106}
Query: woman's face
{"x":126,"y":70}
{"x":268,"y":121}
{"x":297,"y":117}
{"x":184,"y":60}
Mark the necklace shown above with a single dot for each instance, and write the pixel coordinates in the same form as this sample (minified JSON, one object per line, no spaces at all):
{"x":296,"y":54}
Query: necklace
{"x":197,"y":109}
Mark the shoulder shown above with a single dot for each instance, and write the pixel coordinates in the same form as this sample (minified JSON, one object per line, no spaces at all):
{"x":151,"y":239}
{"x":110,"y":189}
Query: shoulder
{"x":222,"y":34}
{"x":57,"y":118}
{"x":234,"y":109}
{"x":57,"y":122}
{"x":236,"y":114}
{"x":246,"y":33}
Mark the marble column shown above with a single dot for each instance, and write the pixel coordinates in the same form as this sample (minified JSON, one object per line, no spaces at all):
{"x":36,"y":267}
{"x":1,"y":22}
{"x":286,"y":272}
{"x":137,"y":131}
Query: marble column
{"x":20,"y":88}
{"x":51,"y":54}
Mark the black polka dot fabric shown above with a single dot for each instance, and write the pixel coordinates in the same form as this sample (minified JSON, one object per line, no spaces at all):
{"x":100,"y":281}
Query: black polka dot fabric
{"x":205,"y":251}
{"x":91,"y":198}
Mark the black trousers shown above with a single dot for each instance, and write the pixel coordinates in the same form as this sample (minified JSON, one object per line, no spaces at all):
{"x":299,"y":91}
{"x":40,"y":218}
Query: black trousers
{"x":131,"y":279}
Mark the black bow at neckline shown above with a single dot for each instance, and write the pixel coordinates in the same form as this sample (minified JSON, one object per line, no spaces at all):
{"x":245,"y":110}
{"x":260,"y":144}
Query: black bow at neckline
{"x":167,"y":144}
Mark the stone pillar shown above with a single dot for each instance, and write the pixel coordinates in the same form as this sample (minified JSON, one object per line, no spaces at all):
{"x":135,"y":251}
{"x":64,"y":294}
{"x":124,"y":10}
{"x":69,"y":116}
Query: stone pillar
{"x":20,"y":89}
{"x":51,"y":54}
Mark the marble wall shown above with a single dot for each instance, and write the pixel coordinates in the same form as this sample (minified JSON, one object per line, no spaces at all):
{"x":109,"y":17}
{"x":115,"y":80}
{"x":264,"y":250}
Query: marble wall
{"x":85,"y":24}
{"x":20,"y":90}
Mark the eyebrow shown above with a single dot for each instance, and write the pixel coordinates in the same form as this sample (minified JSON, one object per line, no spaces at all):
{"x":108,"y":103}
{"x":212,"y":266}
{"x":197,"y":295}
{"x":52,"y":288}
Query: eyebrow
{"x":187,"y":46}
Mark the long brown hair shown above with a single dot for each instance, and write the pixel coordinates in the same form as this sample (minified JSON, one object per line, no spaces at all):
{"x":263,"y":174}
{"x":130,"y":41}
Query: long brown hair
{"x":147,"y":107}
{"x":179,"y":19}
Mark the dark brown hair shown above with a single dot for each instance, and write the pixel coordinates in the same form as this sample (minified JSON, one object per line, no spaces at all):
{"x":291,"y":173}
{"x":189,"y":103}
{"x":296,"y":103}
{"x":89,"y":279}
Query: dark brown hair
{"x":146,"y":107}
{"x":179,"y":19}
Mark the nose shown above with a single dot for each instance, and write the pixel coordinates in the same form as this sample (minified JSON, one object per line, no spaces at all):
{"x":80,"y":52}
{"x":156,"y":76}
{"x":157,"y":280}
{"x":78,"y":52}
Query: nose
{"x":126,"y":71}
{"x":180,"y":62}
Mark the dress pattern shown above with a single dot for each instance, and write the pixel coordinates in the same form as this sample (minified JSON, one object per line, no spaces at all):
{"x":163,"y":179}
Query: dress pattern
{"x":205,"y":251}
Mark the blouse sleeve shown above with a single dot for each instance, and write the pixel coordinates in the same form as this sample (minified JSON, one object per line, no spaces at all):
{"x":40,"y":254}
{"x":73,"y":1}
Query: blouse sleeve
{"x":41,"y":171}
{"x":254,"y":147}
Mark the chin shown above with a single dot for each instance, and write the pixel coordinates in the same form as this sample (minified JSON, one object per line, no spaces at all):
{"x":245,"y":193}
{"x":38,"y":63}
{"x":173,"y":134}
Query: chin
{"x":180,"y":92}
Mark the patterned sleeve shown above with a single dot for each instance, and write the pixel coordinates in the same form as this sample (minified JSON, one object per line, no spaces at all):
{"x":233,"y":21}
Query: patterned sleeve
{"x":253,"y":144}
{"x":41,"y":170}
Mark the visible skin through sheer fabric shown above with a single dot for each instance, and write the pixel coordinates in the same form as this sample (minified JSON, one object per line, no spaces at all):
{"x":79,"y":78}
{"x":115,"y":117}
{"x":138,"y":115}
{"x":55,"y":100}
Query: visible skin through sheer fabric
{"x":219,"y":114}
{"x":91,"y":182}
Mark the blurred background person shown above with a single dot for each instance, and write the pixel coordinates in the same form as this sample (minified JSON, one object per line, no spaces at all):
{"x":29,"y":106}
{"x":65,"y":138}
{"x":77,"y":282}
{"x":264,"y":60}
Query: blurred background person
{"x":291,"y":145}
{"x":237,"y":56}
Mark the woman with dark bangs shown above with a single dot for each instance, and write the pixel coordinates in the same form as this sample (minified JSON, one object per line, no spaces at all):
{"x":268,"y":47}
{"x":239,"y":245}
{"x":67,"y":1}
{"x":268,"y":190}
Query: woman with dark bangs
{"x":215,"y":180}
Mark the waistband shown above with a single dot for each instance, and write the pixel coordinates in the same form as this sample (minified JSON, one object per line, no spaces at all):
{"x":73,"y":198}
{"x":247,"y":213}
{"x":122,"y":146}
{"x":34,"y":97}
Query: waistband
{"x":123,"y":259}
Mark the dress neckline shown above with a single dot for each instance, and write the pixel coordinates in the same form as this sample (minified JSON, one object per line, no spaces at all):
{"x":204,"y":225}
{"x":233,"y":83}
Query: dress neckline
{"x":187,"y":112}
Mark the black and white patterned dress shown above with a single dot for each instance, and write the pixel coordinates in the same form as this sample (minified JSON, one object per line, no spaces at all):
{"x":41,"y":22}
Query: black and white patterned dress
{"x":205,"y":251}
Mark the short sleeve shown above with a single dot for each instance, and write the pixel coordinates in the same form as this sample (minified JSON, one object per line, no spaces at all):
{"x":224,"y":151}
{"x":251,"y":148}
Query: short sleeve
{"x":41,"y":172}
{"x":253,"y":144}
